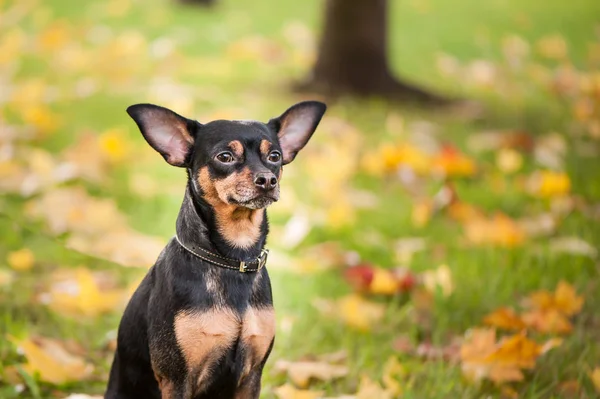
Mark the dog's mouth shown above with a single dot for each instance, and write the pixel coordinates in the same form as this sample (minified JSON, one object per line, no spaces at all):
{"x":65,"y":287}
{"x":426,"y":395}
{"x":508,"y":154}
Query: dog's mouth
{"x":257,"y":202}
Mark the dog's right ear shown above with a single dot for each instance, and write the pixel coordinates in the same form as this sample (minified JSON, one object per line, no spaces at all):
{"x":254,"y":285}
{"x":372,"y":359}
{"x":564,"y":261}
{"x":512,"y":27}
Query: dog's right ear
{"x":167,"y":132}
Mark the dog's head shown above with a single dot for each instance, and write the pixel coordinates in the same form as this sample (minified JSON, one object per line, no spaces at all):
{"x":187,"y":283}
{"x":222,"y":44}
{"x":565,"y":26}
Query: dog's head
{"x":234,"y":163}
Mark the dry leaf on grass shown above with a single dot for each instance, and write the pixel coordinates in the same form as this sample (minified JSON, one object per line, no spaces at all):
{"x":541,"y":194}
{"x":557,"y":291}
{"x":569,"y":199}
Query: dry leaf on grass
{"x":287,"y":391}
{"x":51,"y":360}
{"x":302,"y":372}
{"x":79,"y":293}
{"x":573,"y":246}
{"x":21,"y":260}
{"x":505,"y":318}
{"x":353,"y":310}
{"x":564,"y":300}
{"x":499,"y":230}
{"x":484,"y":358}
{"x":440,"y":278}
{"x":369,"y":389}
{"x":595,"y":377}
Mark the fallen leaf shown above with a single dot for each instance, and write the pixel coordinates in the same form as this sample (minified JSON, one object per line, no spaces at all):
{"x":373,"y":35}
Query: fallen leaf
{"x":595,"y":377}
{"x":564,"y":300}
{"x":287,"y":391}
{"x":484,"y":358}
{"x":553,"y":47}
{"x":360,"y":313}
{"x":548,"y":321}
{"x":450,"y":162}
{"x":440,"y":278}
{"x":302,"y":372}
{"x":369,"y":389}
{"x":548,"y":184}
{"x":51,"y":360}
{"x":499,"y":230}
{"x":78,"y":293}
{"x":504,"y":318}
{"x":393,"y":372}
{"x":574,"y":246}
{"x":421,"y":213}
{"x":21,"y":260}
{"x":509,"y":161}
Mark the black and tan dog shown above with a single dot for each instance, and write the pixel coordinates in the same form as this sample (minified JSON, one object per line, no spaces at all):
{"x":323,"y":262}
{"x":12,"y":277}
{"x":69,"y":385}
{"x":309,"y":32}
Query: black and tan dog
{"x":201,"y":324}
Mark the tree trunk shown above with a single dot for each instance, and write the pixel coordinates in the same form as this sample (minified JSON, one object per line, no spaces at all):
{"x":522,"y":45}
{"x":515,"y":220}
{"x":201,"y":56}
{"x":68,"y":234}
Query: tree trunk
{"x":205,"y":3}
{"x":352,"y":55}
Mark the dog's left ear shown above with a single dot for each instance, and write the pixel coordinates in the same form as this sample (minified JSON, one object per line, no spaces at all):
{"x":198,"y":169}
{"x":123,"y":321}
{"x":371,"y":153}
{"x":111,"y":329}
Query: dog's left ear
{"x":295,"y":127}
{"x":169,"y":133}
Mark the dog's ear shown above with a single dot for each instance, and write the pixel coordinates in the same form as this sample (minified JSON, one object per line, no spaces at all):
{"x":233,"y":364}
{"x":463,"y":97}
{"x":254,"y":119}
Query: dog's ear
{"x":170,"y":134}
{"x":295,"y":127}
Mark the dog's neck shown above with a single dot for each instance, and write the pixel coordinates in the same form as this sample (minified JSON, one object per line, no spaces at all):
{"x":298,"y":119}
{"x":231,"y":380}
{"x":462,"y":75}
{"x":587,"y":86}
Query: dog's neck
{"x":233,"y":232}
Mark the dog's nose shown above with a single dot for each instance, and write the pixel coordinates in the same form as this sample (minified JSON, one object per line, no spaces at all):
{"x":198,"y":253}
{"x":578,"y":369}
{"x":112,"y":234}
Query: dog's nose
{"x":266,"y":181}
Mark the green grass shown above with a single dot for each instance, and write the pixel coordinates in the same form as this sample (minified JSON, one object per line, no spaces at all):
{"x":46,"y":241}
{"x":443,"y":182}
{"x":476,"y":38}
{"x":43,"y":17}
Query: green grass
{"x":218,"y":79}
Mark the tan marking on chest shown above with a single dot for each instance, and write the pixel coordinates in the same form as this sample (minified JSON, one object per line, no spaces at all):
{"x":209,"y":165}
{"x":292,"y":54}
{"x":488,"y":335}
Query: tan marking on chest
{"x":239,"y":226}
{"x":258,"y":330}
{"x":203,"y":337}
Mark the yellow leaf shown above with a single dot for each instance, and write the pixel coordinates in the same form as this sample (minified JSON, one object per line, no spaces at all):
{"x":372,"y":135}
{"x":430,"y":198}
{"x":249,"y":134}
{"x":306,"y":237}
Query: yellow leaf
{"x":81,"y":294}
{"x":566,"y":299}
{"x":483,"y":358}
{"x":439,"y":278}
{"x":6,"y":277}
{"x":360,"y":313}
{"x":504,"y":318}
{"x":548,"y":321}
{"x":340,"y":214}
{"x":383,"y":282}
{"x":54,"y":37}
{"x":595,"y":377}
{"x":301,"y":373}
{"x":508,"y":160}
{"x":499,"y":230}
{"x":51,"y":360}
{"x":393,"y":372}
{"x":287,"y":391}
{"x":21,"y":260}
{"x":516,"y":351}
{"x":39,"y":116}
{"x":368,"y":389}
{"x":113,"y":144}
{"x":553,"y":46}
{"x":421,"y":213}
{"x":547,"y":184}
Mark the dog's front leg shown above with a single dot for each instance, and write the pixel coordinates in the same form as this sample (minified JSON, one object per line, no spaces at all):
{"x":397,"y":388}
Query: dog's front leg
{"x":250,"y":386}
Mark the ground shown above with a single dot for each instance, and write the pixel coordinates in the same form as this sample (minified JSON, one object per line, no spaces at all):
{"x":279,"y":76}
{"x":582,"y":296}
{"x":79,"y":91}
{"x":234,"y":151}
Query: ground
{"x":503,"y":189}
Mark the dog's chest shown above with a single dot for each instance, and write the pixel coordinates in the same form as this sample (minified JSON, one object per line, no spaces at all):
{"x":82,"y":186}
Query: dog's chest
{"x":204,"y":337}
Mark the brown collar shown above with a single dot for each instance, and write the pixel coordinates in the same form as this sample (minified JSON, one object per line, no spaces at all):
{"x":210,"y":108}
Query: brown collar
{"x":227,"y":263}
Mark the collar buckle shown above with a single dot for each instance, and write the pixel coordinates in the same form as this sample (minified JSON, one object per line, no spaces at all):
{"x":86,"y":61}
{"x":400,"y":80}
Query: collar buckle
{"x":243,"y":267}
{"x":262,"y":259}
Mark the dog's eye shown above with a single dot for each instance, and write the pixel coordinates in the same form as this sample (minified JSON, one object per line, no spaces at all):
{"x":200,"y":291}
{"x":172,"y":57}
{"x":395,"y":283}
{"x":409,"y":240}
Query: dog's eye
{"x":225,"y":157}
{"x":275,"y":156}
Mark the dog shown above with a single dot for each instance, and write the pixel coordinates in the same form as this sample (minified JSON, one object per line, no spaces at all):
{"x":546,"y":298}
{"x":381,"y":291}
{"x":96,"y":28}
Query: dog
{"x":201,"y":325}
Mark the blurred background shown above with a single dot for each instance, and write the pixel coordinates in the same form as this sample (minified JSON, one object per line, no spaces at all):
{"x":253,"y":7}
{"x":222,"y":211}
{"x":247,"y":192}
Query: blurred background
{"x":438,"y":237}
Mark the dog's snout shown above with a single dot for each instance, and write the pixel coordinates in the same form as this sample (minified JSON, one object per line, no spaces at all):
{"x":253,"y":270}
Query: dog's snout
{"x":266,"y":181}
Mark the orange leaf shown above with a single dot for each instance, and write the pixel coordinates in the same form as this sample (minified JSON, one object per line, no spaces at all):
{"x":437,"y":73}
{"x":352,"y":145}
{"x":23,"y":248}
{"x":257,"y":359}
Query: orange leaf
{"x":548,"y":321}
{"x":504,"y":318}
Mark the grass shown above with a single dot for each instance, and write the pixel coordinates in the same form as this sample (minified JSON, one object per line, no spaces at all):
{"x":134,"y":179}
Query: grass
{"x":221,"y":81}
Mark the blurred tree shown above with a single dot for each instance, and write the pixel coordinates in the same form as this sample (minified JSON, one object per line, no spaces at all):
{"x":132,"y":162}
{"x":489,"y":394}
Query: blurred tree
{"x":199,"y":2}
{"x":353,"y":57}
